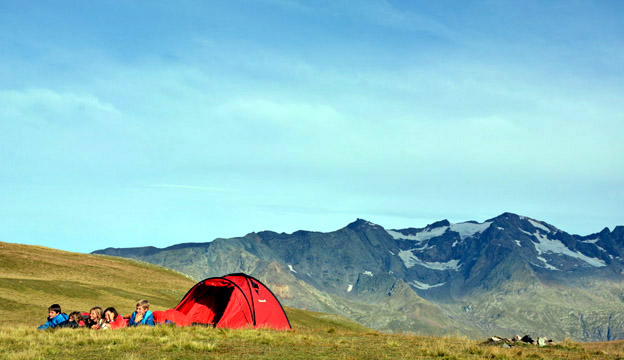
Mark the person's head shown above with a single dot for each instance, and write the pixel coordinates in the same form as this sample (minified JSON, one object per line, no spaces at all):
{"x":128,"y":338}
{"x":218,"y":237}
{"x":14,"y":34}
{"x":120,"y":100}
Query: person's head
{"x":95,"y":314}
{"x":142,"y":306}
{"x":54,"y":310}
{"x":110,"y":314}
{"x":75,"y":316}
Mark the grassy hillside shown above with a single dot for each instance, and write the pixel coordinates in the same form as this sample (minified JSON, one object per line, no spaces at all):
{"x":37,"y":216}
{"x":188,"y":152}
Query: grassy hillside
{"x":34,"y":277}
{"x":31,"y":278}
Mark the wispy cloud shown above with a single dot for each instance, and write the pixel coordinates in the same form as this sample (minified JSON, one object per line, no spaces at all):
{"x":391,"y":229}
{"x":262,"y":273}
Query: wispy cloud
{"x":383,"y":12}
{"x":342,"y":108}
{"x":54,"y":105}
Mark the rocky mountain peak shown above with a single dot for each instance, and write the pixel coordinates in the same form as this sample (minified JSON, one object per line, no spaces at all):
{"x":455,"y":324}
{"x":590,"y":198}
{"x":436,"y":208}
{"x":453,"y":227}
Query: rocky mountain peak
{"x":506,"y":217}
{"x":361,"y":224}
{"x":438,"y":224}
{"x":605,"y":231}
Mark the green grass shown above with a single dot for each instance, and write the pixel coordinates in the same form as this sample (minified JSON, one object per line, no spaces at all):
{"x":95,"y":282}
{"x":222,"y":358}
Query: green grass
{"x":33,"y":277}
{"x":167,"y":342}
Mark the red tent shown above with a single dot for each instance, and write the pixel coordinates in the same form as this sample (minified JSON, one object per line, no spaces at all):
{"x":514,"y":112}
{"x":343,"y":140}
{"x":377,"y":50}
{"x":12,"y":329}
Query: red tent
{"x":171,"y":316}
{"x":232,"y":301}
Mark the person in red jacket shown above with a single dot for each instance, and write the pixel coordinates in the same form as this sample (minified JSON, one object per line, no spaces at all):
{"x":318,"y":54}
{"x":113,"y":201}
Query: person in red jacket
{"x":114,"y":320}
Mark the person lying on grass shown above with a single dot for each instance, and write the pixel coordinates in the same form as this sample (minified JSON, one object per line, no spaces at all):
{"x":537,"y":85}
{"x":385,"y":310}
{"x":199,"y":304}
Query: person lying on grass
{"x":114,"y":320}
{"x":55,"y":318}
{"x":76,"y":320}
{"x":142,"y":315}
{"x":96,"y":321}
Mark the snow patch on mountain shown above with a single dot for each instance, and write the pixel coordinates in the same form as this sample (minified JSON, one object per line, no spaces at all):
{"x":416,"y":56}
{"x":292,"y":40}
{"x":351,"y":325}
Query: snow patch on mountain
{"x":421,"y":236}
{"x":349,"y":288}
{"x":518,"y":242}
{"x":368,"y":273}
{"x":424,"y":247}
{"x":546,"y":245}
{"x":594,"y":241}
{"x":539,"y":225}
{"x":547,"y":265}
{"x":411,"y":260}
{"x":423,"y":286}
{"x":291,"y":268}
{"x":469,"y":229}
{"x":465,"y":230}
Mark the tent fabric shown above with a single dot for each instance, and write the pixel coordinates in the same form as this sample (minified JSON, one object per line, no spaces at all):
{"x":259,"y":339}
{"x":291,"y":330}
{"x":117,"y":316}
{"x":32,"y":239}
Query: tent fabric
{"x":171,"y":316}
{"x":120,"y":322}
{"x":231,"y":301}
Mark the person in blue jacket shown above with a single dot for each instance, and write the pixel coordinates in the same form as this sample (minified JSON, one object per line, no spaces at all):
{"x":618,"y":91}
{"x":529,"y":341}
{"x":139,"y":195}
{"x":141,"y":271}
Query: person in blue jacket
{"x":142,"y":315}
{"x":55,"y":318}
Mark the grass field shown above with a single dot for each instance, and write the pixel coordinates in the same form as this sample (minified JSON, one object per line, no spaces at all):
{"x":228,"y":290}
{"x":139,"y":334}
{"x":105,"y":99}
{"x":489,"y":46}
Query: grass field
{"x":31,"y":278}
{"x":330,"y":341}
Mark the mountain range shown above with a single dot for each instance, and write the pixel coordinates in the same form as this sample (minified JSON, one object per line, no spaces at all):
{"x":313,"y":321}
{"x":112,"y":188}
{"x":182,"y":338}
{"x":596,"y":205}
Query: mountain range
{"x":507,"y":275}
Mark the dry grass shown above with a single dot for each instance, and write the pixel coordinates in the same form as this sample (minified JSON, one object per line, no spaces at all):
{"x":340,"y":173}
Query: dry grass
{"x":31,"y":278}
{"x":34,"y":277}
{"x":166,"y":342}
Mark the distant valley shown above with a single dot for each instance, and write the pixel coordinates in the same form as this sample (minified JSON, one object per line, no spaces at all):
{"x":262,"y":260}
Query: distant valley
{"x":507,"y":275}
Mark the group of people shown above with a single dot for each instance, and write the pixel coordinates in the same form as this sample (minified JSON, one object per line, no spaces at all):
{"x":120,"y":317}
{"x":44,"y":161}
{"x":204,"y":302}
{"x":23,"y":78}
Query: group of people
{"x":99,"y":319}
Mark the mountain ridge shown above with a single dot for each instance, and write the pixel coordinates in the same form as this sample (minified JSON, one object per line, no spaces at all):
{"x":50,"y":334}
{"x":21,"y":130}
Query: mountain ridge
{"x":445,"y":266}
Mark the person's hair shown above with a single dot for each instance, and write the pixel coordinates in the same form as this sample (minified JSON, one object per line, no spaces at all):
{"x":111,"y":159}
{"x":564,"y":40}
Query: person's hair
{"x":112,"y":309}
{"x":55,"y":308}
{"x":98,"y":311}
{"x":77,"y":316}
{"x":143,"y":303}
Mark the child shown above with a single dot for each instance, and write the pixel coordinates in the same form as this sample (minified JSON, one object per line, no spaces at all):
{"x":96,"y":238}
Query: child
{"x":142,"y":315}
{"x":55,"y":317}
{"x":75,"y":320}
{"x":114,"y":320}
{"x":96,"y":321}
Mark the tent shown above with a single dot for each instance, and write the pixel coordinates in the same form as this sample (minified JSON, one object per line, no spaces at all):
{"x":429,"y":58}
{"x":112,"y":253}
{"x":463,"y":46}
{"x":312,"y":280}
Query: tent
{"x":231,"y":301}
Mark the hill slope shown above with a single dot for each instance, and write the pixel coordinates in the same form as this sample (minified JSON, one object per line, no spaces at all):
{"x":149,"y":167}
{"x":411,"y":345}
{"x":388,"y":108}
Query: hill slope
{"x":34,"y":277}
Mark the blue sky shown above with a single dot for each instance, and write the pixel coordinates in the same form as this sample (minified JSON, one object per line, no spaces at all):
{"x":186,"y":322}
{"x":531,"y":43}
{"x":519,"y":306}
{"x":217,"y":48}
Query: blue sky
{"x":135,"y":123}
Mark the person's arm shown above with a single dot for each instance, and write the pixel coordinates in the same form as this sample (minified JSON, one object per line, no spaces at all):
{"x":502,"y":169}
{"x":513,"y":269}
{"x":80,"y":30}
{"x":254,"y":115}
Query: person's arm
{"x":45,"y":325}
